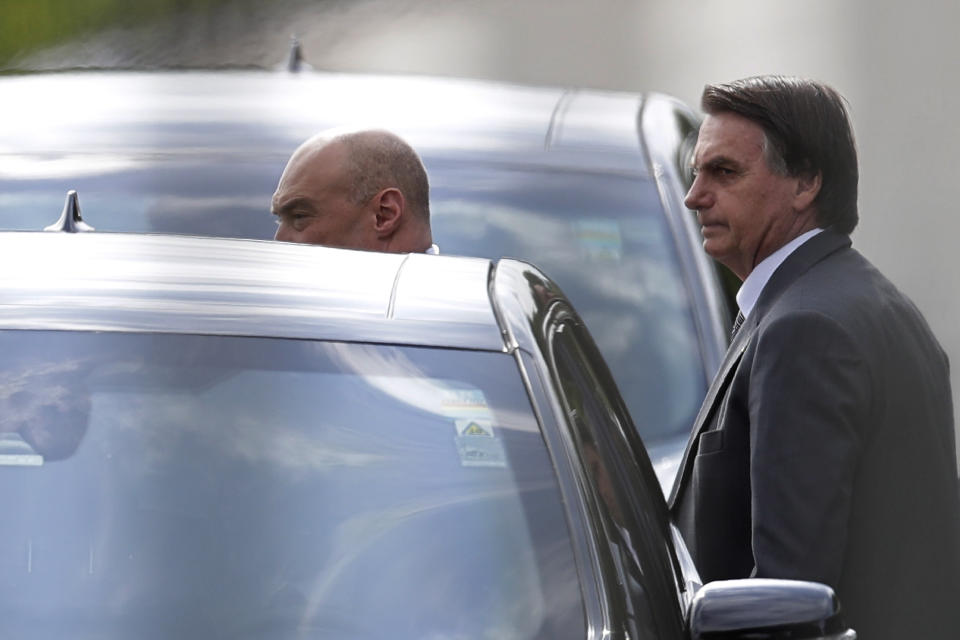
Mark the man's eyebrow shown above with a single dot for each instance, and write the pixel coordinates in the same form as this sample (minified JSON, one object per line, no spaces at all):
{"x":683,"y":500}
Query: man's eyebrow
{"x":290,"y":204}
{"x":714,"y":162}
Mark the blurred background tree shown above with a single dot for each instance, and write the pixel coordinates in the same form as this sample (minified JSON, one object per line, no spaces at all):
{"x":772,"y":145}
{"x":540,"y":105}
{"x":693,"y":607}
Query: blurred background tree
{"x":30,"y":25}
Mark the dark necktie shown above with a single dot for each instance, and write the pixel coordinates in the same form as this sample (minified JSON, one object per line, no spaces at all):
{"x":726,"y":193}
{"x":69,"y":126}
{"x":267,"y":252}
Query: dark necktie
{"x":736,"y":324}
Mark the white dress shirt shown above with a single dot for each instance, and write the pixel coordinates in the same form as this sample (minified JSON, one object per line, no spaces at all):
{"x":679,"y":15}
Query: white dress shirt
{"x":753,"y":286}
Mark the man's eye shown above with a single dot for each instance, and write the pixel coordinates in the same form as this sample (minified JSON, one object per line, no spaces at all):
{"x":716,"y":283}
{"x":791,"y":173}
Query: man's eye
{"x":714,"y":170}
{"x":293,"y":218}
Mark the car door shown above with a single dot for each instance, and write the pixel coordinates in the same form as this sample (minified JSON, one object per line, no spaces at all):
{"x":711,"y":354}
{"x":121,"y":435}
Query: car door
{"x":639,"y":568}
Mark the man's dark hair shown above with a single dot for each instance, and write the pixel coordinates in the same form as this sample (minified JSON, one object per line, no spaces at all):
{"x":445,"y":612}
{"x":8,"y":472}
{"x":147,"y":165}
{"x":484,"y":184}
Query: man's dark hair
{"x":807,"y":125}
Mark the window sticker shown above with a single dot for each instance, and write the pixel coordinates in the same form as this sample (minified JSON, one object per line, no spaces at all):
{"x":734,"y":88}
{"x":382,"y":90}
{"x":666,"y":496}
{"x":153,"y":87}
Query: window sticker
{"x":464,"y":403}
{"x":471,"y":427}
{"x":479,"y":451}
{"x":474,"y":434}
{"x":599,"y":239}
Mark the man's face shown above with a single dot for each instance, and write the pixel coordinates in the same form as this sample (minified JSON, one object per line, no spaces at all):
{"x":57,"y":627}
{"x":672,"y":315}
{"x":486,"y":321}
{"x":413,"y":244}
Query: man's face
{"x":746,"y":211}
{"x":312,"y":203}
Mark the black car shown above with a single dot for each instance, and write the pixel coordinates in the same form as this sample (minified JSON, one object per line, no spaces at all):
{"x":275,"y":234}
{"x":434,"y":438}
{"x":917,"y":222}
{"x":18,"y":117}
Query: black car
{"x":587,"y":185}
{"x":212,"y":438}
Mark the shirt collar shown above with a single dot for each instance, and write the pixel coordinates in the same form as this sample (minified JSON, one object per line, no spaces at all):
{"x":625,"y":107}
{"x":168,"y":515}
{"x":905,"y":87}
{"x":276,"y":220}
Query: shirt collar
{"x":434,"y":250}
{"x":753,"y":286}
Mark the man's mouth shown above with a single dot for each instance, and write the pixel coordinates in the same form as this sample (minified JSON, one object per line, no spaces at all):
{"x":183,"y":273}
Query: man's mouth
{"x":711,"y":226}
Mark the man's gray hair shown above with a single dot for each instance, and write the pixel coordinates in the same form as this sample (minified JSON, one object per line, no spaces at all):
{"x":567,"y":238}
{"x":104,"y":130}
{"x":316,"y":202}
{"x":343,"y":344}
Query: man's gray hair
{"x":774,"y":158}
{"x":377,"y":160}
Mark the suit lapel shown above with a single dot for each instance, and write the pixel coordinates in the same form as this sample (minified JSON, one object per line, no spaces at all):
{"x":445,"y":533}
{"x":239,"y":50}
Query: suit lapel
{"x":714,"y":395}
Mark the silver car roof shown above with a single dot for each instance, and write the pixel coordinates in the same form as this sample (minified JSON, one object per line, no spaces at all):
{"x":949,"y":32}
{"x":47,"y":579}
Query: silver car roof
{"x":128,"y":282}
{"x":79,"y":123}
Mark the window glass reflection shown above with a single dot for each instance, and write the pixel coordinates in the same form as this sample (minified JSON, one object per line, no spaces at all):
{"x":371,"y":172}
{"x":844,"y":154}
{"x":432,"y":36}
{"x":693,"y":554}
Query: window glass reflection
{"x":255,"y":488}
{"x":603,"y":238}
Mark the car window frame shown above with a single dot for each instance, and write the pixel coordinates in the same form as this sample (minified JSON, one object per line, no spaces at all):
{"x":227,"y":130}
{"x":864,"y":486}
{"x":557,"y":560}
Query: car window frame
{"x":626,"y":458}
{"x":572,"y":482}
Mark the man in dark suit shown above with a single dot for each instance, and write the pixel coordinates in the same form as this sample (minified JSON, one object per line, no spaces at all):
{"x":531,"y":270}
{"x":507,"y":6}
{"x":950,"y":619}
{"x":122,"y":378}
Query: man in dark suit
{"x":824,"y":449}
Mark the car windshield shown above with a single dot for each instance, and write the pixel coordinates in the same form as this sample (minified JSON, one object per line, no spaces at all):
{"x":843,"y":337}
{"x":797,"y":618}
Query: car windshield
{"x":171,"y":486}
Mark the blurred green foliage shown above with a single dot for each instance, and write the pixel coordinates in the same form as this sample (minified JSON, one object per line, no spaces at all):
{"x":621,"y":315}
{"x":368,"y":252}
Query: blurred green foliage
{"x":28,"y":25}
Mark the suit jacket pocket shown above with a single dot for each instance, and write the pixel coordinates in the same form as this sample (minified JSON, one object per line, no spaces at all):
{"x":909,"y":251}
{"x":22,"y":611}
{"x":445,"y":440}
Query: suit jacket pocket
{"x":710,"y":442}
{"x":720,"y":486}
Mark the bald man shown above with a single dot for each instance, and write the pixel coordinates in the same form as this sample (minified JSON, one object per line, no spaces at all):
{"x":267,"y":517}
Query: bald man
{"x":358,"y":190}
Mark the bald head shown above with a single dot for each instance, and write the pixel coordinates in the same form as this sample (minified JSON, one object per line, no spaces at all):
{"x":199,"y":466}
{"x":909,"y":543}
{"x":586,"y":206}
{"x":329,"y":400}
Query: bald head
{"x":361,"y":190}
{"x":378,"y":159}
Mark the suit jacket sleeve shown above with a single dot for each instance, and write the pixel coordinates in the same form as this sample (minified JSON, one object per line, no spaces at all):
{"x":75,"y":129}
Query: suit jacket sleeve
{"x":809,"y":388}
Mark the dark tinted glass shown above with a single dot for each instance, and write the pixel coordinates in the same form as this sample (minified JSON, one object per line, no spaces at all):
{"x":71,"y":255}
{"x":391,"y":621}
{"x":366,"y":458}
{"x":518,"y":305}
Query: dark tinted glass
{"x":626,"y":491}
{"x":203,"y":487}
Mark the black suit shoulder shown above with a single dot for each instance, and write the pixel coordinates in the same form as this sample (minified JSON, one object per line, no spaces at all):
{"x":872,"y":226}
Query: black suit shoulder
{"x":847,"y":288}
{"x":841,"y":320}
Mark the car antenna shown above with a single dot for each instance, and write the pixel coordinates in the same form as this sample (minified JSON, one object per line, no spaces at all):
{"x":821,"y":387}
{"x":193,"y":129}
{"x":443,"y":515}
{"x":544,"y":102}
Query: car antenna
{"x":70,"y":219}
{"x":295,"y":56}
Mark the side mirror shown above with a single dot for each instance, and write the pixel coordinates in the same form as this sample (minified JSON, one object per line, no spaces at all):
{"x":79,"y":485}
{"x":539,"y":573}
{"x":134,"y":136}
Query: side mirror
{"x":767,"y":609}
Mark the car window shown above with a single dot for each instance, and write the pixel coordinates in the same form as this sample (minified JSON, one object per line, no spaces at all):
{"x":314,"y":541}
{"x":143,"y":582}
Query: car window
{"x":159,"y":486}
{"x":604,"y":239}
{"x":625,"y":489}
{"x":199,"y":194}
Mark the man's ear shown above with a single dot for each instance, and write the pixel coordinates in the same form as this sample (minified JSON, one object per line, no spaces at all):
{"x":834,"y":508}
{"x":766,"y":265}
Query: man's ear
{"x":808,"y":187}
{"x":389,"y":212}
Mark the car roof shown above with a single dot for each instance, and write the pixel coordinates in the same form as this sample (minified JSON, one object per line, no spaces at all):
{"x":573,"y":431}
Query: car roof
{"x":78,"y":123}
{"x":178,"y":284}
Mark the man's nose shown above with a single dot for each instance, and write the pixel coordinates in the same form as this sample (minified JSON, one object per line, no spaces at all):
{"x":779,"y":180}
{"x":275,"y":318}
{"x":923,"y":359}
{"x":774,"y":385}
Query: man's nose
{"x":697,"y":197}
